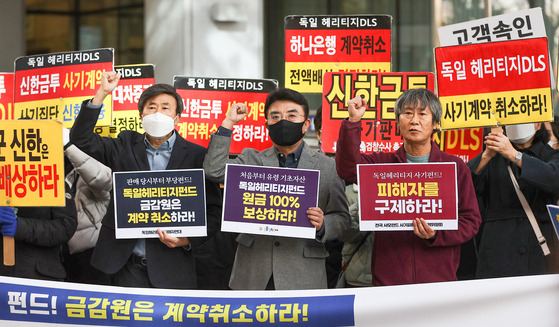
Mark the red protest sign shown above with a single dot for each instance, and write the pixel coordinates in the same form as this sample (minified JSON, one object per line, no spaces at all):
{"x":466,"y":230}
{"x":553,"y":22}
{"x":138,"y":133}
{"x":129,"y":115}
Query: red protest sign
{"x":392,"y":195}
{"x":53,"y":86}
{"x":6,"y":95}
{"x":494,"y":83}
{"x":463,"y":143}
{"x":134,"y":80}
{"x":380,"y":131}
{"x":126,"y":116}
{"x":315,"y":45}
{"x":207,"y":101}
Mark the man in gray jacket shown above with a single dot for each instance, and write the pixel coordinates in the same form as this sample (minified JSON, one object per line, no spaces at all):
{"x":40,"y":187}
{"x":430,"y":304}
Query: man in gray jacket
{"x":270,"y":262}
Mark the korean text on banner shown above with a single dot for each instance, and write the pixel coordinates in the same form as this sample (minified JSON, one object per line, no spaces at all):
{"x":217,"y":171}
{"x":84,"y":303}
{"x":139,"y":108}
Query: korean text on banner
{"x":31,"y":163}
{"x":392,"y":195}
{"x":171,"y":200}
{"x":53,"y":86}
{"x":495,"y":83}
{"x":380,"y":90}
{"x":315,"y":45}
{"x":522,"y":24}
{"x":31,"y":302}
{"x":269,"y":201}
{"x":133,"y":82}
{"x":463,"y":143}
{"x":207,"y":101}
{"x":512,"y":301}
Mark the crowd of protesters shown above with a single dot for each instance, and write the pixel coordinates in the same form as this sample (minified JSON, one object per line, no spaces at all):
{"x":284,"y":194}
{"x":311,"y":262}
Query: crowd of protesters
{"x":77,"y":243}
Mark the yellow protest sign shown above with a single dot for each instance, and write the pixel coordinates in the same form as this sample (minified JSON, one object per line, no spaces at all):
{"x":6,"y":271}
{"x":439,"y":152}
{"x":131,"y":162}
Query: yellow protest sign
{"x":31,"y":163}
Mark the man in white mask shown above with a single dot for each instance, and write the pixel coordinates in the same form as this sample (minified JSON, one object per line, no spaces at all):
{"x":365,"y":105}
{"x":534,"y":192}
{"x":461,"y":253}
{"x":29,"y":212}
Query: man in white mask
{"x":167,"y":262}
{"x":507,"y":243}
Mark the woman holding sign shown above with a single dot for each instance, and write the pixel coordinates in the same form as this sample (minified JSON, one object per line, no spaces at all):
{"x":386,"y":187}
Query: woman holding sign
{"x":508,"y":244}
{"x":424,"y":255}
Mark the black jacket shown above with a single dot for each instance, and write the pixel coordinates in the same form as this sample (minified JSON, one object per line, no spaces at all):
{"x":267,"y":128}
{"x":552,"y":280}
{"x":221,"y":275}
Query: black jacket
{"x":167,"y":267}
{"x":40,"y":234}
{"x":507,"y":242}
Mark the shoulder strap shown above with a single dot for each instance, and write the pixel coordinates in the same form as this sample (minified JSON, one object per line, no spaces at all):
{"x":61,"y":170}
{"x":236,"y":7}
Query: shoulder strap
{"x":530,"y":214}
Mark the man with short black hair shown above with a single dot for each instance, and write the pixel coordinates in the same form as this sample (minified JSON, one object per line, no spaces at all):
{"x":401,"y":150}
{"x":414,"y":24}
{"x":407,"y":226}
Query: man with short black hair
{"x":271,"y":262}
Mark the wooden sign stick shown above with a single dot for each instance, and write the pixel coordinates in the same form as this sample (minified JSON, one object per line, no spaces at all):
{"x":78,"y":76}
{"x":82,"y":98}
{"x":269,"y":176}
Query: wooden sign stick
{"x":9,"y":250}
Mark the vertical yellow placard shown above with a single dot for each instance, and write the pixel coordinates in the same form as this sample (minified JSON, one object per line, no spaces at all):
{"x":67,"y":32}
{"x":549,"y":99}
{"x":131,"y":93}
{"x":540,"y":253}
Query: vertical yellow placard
{"x":31,"y":163}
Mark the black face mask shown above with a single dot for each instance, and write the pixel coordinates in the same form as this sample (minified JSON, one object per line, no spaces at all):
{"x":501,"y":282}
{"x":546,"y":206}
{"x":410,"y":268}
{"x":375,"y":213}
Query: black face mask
{"x":285,"y":133}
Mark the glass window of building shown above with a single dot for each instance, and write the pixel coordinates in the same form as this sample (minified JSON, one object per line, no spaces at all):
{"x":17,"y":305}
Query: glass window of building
{"x":69,"y":25}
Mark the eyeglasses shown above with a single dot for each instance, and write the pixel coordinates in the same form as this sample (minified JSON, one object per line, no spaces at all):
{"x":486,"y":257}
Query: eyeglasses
{"x":291,"y":116}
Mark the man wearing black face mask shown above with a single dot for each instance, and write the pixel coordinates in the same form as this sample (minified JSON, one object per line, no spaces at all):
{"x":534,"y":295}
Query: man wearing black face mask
{"x":269,"y":262}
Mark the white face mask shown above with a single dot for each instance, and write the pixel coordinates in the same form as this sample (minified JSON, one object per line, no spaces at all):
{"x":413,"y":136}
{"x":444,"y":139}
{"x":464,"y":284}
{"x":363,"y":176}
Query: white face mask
{"x":158,"y":125}
{"x":521,"y":133}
